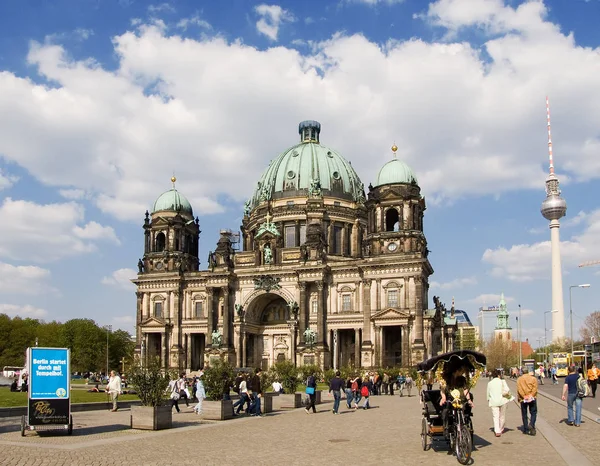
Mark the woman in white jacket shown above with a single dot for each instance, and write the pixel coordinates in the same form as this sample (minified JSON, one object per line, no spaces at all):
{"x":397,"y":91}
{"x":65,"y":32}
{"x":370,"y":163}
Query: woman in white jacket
{"x":200,"y":393}
{"x":498,"y":395}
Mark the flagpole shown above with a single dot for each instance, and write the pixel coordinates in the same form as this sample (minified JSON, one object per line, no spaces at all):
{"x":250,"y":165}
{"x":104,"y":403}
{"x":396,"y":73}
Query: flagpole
{"x":520,"y":342}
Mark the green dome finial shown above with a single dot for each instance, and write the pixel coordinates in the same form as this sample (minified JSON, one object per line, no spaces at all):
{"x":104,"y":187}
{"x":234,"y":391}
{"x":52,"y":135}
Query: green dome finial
{"x":172,"y":201}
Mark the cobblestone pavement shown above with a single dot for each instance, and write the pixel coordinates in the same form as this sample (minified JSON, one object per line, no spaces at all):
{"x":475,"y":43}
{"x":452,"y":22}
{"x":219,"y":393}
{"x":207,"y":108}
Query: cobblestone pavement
{"x":554,"y":410}
{"x":389,"y":433}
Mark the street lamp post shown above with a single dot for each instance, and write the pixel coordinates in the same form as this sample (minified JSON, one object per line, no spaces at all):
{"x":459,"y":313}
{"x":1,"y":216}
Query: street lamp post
{"x":585,"y":285}
{"x":520,"y":342}
{"x":108,"y":329}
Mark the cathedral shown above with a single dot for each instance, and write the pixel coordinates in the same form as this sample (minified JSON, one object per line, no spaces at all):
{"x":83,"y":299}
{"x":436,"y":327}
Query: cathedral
{"x":320,"y":273}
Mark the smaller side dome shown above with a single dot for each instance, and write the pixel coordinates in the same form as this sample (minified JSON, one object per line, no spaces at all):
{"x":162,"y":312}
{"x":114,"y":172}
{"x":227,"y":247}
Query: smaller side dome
{"x":395,"y":171}
{"x":172,"y":201}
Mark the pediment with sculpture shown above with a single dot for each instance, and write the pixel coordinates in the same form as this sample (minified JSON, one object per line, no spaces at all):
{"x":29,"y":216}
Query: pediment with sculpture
{"x":391,"y":313}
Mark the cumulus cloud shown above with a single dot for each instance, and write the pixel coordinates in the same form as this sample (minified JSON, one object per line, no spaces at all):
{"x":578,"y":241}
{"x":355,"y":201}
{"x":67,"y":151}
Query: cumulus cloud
{"x":24,"y":279}
{"x":160,"y":8}
{"x":525,"y":262}
{"x":195,"y":20}
{"x":47,"y":232}
{"x":121,"y":279}
{"x":376,"y":2}
{"x":7,"y":180}
{"x":271,"y":18}
{"x":182,"y":104}
{"x":14,"y":310}
{"x":72,"y":194}
{"x":453,"y":284}
{"x":489,"y":299}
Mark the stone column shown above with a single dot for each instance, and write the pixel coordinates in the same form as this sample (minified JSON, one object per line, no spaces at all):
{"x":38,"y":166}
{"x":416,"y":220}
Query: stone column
{"x":292,"y":324}
{"x":405,"y":345}
{"x":209,"y":315}
{"x":366,"y":335}
{"x":357,"y":347}
{"x":226,"y":317}
{"x":140,"y":310}
{"x":381,"y":219}
{"x":297,"y":233}
{"x":419,"y":309}
{"x":330,"y":237}
{"x":164,"y":349}
{"x":244,"y":346}
{"x":344,"y":245}
{"x":302,"y":310}
{"x":321,"y":310}
{"x":378,"y":294}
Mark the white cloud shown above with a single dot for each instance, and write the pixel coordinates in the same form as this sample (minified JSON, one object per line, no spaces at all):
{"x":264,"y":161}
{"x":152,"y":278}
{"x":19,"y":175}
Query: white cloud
{"x":7,"y":180}
{"x":121,"y":279}
{"x":525,"y":262}
{"x":124,"y":320}
{"x":14,"y":310}
{"x":195,"y":20}
{"x":489,"y":299}
{"x":376,"y":2}
{"x":94,"y":230}
{"x":182,"y":104}
{"x":42,"y":233}
{"x":24,"y":279}
{"x":454,"y":284}
{"x":72,"y":194}
{"x":160,"y":8}
{"x":272,"y":16}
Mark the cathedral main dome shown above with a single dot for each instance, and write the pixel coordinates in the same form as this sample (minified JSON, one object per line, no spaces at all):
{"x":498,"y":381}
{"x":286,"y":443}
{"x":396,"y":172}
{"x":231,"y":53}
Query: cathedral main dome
{"x":305,"y":166}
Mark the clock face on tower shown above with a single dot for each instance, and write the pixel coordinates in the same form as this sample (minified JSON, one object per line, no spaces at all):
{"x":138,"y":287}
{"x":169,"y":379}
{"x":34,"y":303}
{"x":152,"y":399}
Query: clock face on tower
{"x":392,"y":247}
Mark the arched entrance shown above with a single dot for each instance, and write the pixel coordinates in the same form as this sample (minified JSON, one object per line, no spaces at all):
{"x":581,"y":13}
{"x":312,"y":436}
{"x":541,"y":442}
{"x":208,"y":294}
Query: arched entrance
{"x":266,"y":331}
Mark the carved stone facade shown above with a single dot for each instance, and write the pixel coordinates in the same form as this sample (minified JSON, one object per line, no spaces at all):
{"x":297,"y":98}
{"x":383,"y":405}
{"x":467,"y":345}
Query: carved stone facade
{"x":325,"y":275}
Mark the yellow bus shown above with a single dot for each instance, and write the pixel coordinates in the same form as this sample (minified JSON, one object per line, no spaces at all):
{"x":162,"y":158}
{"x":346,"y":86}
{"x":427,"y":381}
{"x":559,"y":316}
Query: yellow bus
{"x":562,"y":362}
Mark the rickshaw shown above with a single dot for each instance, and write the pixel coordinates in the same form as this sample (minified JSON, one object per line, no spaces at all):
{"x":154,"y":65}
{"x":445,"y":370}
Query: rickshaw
{"x":459,"y":431}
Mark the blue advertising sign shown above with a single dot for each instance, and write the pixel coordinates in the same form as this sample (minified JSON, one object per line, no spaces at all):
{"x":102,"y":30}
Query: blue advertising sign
{"x":49,"y":376}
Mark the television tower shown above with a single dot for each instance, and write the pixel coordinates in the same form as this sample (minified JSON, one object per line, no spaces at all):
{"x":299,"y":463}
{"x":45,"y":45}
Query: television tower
{"x":554,"y":208}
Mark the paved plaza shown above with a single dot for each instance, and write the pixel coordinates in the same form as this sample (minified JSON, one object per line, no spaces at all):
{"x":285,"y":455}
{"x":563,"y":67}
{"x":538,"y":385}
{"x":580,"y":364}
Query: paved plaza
{"x":389,"y":433}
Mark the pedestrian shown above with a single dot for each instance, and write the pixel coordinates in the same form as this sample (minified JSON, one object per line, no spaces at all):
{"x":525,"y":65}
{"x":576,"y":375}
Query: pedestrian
{"x":183,"y":391}
{"x":593,"y":374}
{"x":408,"y":383}
{"x":200,"y":393}
{"x":527,"y":388}
{"x":540,"y":374}
{"x":553,"y":374}
{"x":498,"y":395}
{"x":173,"y":391}
{"x":311,"y":388}
{"x":114,"y":389}
{"x":569,"y":394}
{"x":277,"y":387}
{"x":244,"y":398}
{"x":365,"y":390}
{"x":335,"y":386}
{"x":385,"y":383}
{"x":256,"y":389}
{"x":400,"y":381}
{"x":349,"y":394}
{"x":429,"y":380}
{"x":356,"y":383}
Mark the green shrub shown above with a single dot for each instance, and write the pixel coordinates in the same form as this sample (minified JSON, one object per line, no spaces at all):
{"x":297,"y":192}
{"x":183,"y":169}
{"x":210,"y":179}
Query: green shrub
{"x":328,"y":375}
{"x":287,"y":374}
{"x":305,"y":371}
{"x":215,"y":378}
{"x":150,"y":382}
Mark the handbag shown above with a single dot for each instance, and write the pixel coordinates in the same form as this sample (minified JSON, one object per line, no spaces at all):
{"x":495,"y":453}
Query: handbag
{"x":310,"y":390}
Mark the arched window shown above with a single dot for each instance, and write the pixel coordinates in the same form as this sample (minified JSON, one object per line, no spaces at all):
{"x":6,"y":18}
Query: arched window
{"x":160,"y":242}
{"x":392,"y":220}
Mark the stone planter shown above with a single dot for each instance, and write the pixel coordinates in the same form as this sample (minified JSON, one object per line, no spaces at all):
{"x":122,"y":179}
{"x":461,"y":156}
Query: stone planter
{"x":288,"y":401}
{"x":217,"y":410}
{"x":151,"y":417}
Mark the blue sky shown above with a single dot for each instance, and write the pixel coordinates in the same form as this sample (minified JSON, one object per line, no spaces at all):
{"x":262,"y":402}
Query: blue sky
{"x":101,"y":101}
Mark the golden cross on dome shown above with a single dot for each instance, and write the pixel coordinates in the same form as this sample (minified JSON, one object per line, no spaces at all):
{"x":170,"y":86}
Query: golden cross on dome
{"x":394,"y":149}
{"x":173,"y":180}
{"x":268,"y":217}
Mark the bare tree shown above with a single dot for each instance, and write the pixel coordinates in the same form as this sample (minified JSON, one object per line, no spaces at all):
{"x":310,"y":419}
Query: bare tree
{"x":501,"y":353}
{"x":591,"y":327}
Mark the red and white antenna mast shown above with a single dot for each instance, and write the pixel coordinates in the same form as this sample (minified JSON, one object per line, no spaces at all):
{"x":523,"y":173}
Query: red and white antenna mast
{"x":549,"y":136}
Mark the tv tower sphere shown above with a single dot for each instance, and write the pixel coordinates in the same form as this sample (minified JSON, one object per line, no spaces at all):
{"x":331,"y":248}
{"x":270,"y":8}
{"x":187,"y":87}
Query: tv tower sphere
{"x":554,"y":207}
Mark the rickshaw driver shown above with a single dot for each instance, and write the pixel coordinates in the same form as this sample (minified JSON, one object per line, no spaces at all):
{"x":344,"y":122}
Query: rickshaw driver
{"x":457,"y":381}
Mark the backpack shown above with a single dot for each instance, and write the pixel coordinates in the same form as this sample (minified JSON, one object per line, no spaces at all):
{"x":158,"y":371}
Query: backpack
{"x":364,"y":391}
{"x":583,"y":389}
{"x":354,"y":386}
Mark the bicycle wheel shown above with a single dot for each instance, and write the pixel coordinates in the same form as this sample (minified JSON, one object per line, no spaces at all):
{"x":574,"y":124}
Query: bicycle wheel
{"x":463,"y":445}
{"x":425,"y":440}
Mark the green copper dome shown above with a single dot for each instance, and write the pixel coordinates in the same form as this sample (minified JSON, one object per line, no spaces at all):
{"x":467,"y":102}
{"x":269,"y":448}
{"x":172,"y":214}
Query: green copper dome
{"x":308,"y":168}
{"x":395,"y":171}
{"x":172,"y":201}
